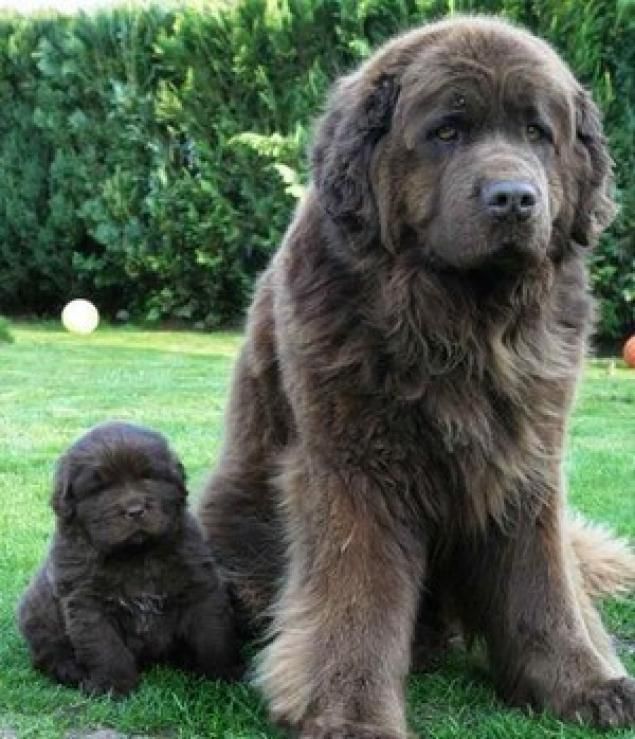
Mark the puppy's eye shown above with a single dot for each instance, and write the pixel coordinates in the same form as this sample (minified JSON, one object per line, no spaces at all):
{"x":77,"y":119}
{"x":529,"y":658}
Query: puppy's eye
{"x":447,"y":133}
{"x":95,"y":489}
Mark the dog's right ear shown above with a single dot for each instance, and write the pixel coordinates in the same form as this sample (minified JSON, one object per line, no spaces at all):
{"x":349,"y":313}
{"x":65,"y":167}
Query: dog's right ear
{"x":358,"y":116}
{"x":63,"y":500}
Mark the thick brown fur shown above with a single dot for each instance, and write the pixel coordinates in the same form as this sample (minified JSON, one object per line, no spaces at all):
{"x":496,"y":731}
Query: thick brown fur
{"x":129,"y":580}
{"x":607,"y":563}
{"x":396,"y":426}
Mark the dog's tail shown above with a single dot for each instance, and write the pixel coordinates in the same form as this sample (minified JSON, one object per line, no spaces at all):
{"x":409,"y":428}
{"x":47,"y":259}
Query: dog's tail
{"x":607,"y":563}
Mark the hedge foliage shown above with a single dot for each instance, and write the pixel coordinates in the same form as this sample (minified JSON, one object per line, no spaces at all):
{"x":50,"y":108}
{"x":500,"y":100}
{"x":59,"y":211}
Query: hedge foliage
{"x":151,"y":157}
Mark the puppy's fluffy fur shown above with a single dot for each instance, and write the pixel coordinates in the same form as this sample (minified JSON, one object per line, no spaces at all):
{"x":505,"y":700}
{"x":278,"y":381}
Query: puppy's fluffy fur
{"x":128,"y":580}
{"x":399,"y":410}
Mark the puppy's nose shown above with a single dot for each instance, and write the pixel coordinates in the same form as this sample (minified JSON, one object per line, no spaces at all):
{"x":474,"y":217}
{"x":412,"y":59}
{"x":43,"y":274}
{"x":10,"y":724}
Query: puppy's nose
{"x":504,"y":199}
{"x":136,"y":510}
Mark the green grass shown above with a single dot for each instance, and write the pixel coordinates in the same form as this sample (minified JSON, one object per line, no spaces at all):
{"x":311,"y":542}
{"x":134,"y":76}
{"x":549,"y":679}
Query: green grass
{"x":6,"y":336}
{"x":53,"y":386}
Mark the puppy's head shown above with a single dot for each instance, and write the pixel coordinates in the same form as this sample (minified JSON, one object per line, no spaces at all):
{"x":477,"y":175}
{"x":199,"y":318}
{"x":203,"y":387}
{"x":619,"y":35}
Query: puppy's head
{"x":121,"y":485}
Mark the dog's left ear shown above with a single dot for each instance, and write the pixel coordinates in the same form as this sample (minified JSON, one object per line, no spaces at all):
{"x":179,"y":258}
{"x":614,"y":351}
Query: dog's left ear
{"x":595,"y":208}
{"x":359,"y":114}
{"x":63,"y":499}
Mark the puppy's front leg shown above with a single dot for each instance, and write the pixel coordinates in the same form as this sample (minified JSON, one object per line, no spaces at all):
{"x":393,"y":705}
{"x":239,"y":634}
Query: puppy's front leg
{"x":207,"y":628}
{"x":110,"y":665}
{"x":344,"y":621}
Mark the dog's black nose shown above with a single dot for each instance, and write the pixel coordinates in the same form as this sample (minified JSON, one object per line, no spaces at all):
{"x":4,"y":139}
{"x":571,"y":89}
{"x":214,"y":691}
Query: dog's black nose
{"x":135,"y":511}
{"x":510,"y":199}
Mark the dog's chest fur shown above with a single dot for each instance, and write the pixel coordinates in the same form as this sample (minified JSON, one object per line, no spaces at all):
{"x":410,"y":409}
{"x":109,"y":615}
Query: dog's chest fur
{"x":490,"y":424}
{"x":455,"y":399}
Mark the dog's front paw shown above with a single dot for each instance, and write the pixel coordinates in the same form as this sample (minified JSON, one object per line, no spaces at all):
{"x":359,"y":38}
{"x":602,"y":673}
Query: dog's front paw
{"x":319,"y":729}
{"x":609,"y":705}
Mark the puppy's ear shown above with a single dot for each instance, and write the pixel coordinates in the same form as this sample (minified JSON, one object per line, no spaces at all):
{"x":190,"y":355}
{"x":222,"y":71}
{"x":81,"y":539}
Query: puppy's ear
{"x":595,"y":208}
{"x":358,"y":116}
{"x":63,"y":500}
{"x":177,"y":472}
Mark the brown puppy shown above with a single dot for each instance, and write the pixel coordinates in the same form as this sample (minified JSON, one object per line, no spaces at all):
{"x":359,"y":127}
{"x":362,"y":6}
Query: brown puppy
{"x":129,"y":580}
{"x":399,"y":410}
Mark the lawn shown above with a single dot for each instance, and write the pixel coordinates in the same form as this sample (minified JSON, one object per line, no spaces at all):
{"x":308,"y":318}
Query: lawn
{"x":53,"y":386}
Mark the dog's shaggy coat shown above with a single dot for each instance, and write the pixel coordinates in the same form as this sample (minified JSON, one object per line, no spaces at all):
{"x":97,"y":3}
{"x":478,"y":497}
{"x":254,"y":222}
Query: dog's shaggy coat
{"x":397,"y":420}
{"x":129,"y":580}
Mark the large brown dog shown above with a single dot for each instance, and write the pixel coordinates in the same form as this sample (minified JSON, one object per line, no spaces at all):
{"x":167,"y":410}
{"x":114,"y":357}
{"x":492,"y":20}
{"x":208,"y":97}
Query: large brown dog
{"x":129,"y":580}
{"x":399,"y":410}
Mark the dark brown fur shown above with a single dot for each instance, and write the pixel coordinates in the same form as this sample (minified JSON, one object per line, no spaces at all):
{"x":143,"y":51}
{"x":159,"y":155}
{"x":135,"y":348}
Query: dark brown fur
{"x":128,"y":580}
{"x":396,"y":426}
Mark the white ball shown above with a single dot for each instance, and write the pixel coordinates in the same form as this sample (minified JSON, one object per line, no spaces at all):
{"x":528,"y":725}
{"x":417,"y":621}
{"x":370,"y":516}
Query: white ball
{"x":80,"y":317}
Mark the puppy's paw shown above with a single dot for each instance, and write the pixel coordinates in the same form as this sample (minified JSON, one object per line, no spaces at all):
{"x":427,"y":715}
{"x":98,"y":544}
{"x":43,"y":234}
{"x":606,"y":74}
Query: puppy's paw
{"x":68,"y":672}
{"x":116,"y":684}
{"x":320,"y":729}
{"x":610,"y":705}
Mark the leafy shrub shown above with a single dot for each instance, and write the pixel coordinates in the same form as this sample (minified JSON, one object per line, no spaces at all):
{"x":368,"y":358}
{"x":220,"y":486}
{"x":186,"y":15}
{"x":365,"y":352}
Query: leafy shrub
{"x":151,"y":157}
{"x":6,"y":337}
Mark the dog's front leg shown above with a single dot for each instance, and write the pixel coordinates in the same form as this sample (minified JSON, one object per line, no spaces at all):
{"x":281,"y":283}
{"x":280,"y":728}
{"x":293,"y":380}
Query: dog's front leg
{"x":519,"y":589}
{"x":344,"y":620}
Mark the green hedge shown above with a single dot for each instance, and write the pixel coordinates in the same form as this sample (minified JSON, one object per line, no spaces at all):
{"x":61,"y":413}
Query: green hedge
{"x":150,"y":158}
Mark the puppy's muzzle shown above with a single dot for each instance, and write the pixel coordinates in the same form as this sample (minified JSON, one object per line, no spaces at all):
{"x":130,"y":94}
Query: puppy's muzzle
{"x":135,"y":511}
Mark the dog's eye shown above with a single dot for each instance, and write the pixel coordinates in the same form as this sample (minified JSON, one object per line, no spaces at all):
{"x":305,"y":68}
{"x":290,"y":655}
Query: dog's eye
{"x":447,"y":133}
{"x":537,"y":133}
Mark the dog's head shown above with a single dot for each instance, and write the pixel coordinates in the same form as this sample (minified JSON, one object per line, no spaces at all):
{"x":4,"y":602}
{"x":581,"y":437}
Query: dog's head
{"x":468,"y":141}
{"x":121,"y":485}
